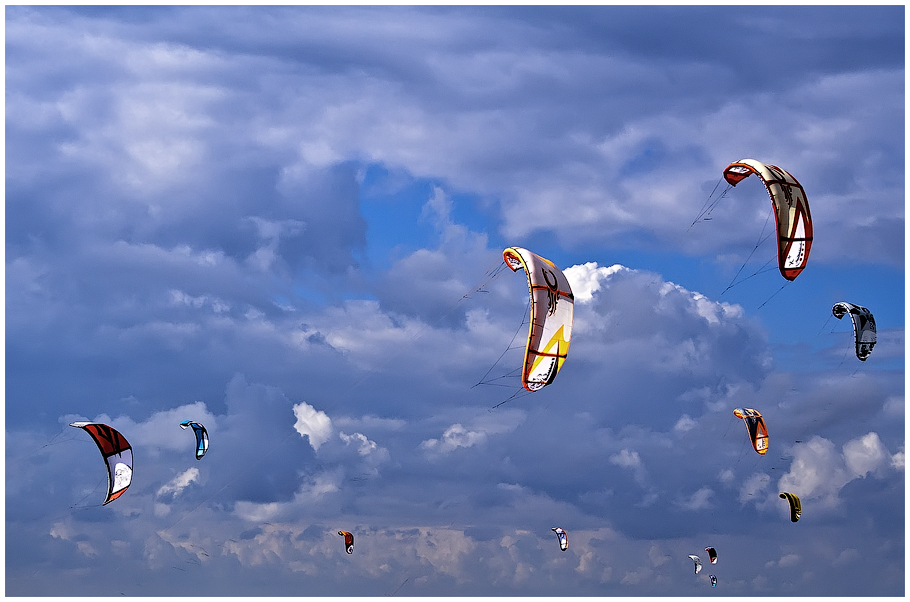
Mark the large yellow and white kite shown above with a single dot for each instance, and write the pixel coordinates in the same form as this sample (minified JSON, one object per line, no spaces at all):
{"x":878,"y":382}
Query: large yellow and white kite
{"x":552,"y":311}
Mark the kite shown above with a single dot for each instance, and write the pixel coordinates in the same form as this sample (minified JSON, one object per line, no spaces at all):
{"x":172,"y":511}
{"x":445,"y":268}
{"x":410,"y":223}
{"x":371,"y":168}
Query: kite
{"x":713,"y":580}
{"x":552,"y":310}
{"x":712,"y":555}
{"x":202,"y":437}
{"x":795,"y":507}
{"x":697,"y":561}
{"x":863,"y":326}
{"x":791,"y":211}
{"x":348,"y":541}
{"x":117,"y":454}
{"x":756,"y":426}
{"x":563,"y":538}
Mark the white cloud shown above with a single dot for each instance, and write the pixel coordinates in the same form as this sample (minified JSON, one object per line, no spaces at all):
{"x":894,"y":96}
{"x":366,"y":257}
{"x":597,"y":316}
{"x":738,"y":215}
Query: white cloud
{"x":865,"y":455}
{"x":371,"y":454}
{"x":819,"y":471}
{"x":365,"y":447}
{"x":630,"y":460}
{"x":179,"y":483}
{"x":476,"y":433}
{"x":627,"y":459}
{"x":684,"y":424}
{"x":700,"y":500}
{"x":454,"y":437}
{"x":586,"y":279}
{"x":313,"y":424}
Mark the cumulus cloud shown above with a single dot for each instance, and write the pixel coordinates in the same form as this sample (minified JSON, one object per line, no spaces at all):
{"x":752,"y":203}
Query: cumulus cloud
{"x":684,"y":424}
{"x":627,"y":459}
{"x":478,"y":431}
{"x":787,"y":560}
{"x":634,"y":315}
{"x":179,"y":483}
{"x":586,"y":279}
{"x":364,"y":446}
{"x":631,"y":461}
{"x":700,"y":500}
{"x":819,"y":471}
{"x":454,"y":437}
{"x":313,"y":424}
{"x":370,"y":455}
{"x":865,"y":454}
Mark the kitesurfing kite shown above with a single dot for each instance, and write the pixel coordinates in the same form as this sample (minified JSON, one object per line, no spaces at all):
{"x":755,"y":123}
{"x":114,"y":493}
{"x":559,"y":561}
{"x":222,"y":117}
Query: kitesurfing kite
{"x":563,"y":538}
{"x":697,"y":561}
{"x":713,"y":580}
{"x":552,"y":311}
{"x":756,"y":426}
{"x":117,"y":454}
{"x":791,"y":211}
{"x":348,"y":541}
{"x":712,"y":555}
{"x":202,"y":437}
{"x":795,"y":507}
{"x":863,"y":326}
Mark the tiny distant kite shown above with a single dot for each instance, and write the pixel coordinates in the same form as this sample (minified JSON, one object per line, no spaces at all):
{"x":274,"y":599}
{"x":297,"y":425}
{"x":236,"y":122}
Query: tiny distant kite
{"x":712,"y":555}
{"x":202,"y":437}
{"x":795,"y":507}
{"x":563,"y":538}
{"x":697,"y":562}
{"x":348,"y":541}
{"x":863,"y":326}
{"x":755,"y":424}
{"x":713,"y":580}
{"x":117,"y":454}
{"x":791,"y":210}
{"x":552,"y":312}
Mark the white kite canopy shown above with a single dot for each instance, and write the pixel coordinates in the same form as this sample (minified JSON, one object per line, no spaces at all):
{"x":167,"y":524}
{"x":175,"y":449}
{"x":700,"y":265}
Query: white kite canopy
{"x":791,"y":210}
{"x":552,"y":311}
{"x":117,"y":454}
{"x":863,"y":326}
{"x":563,"y":538}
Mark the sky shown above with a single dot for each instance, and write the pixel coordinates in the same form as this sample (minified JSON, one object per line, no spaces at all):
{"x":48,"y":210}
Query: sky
{"x":279,"y":221}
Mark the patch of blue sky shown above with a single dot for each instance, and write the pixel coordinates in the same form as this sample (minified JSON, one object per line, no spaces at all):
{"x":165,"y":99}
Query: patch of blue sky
{"x":393,"y":201}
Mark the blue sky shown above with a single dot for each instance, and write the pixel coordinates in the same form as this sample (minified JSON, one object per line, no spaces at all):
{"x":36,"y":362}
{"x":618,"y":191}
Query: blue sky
{"x":267,"y":220}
